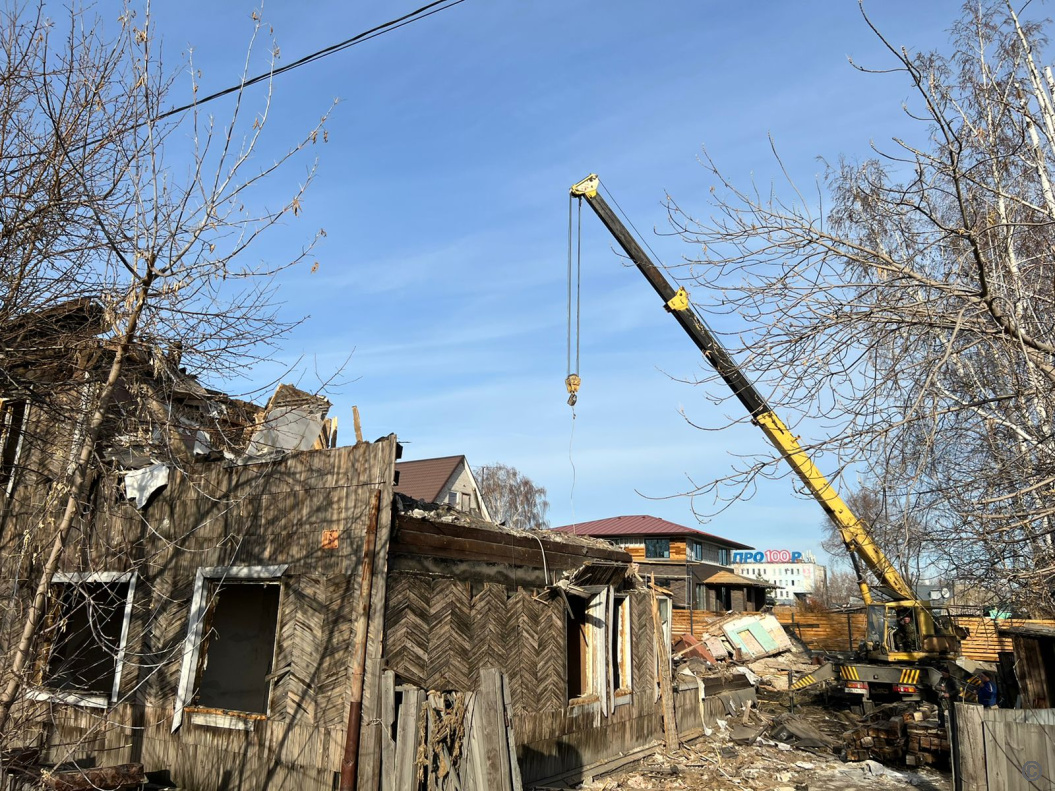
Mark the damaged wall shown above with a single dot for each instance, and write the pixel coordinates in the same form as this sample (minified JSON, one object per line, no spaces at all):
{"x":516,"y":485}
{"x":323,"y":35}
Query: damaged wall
{"x":298,"y":523}
{"x":466,"y":597}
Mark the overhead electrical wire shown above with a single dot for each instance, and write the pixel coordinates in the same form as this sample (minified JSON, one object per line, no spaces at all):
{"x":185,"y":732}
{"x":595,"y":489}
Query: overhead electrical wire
{"x":385,"y":27}
{"x":416,"y":15}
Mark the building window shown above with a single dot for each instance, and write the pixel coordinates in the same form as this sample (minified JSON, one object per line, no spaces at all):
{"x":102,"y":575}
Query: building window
{"x":87,"y":633}
{"x":12,"y":420}
{"x":723,"y":557}
{"x":238,"y":647}
{"x":578,"y":649}
{"x":701,"y":596}
{"x":467,"y":502}
{"x":598,"y":648}
{"x":657,"y":547}
{"x":231,"y":635}
{"x":695,"y":551}
{"x":452,"y":499}
{"x":620,"y":667}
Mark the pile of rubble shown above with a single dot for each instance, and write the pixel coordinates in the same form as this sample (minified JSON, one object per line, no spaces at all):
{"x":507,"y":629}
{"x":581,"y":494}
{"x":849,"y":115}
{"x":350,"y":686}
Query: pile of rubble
{"x":753,"y":643}
{"x":773,"y":752}
{"x":900,"y":732}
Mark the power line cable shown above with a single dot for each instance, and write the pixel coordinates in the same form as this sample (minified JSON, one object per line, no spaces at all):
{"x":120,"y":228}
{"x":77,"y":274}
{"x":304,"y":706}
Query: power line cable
{"x":385,"y":27}
{"x":418,"y":14}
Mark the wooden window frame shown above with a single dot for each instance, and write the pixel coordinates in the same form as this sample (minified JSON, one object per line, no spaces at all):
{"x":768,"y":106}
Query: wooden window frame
{"x":624,"y":657}
{"x":657,"y":557}
{"x":195,"y":626}
{"x":72,"y":697}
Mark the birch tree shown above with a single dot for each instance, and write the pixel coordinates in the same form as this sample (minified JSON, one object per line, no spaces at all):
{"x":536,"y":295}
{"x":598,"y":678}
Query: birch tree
{"x":512,"y":498}
{"x":908,"y":313}
{"x":150,"y":216}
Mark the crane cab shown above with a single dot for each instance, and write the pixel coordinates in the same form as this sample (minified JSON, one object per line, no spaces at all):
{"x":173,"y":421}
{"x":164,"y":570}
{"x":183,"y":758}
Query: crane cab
{"x":904,"y":631}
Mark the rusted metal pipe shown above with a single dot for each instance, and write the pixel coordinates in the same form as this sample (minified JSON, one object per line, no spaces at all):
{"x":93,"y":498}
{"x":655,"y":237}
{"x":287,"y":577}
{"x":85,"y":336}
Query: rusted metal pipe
{"x":350,"y":762}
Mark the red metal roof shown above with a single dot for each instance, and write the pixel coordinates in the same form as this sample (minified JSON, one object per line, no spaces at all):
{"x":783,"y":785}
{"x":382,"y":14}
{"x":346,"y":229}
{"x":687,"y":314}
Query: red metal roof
{"x":424,"y":479}
{"x":642,"y":526}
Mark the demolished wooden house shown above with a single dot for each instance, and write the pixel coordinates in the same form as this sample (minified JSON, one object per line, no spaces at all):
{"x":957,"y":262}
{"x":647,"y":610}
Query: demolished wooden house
{"x":262,"y":610}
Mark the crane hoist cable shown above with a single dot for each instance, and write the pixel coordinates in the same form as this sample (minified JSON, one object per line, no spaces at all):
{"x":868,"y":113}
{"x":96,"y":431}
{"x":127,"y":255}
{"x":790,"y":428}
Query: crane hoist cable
{"x":572,"y":381}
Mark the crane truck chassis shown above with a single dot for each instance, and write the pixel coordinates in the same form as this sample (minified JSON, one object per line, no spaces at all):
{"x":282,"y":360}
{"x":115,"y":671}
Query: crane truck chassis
{"x":899,"y":657}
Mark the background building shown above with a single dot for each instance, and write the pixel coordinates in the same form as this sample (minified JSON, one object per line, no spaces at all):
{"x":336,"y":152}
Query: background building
{"x":695,"y":566}
{"x":795,"y":575}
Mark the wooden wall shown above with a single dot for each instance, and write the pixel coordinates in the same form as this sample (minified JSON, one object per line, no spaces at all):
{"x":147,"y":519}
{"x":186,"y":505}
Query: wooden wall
{"x":218,"y":515}
{"x":441,"y":631}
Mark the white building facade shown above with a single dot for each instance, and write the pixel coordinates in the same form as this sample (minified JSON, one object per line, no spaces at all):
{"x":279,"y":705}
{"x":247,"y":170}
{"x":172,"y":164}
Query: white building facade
{"x":796,"y":575}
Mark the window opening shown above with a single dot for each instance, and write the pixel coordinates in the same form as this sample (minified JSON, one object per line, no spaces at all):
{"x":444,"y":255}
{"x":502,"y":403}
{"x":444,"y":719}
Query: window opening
{"x":206,"y":630}
{"x":578,"y":649}
{"x":87,"y":637}
{"x":620,"y":647}
{"x":12,"y":419}
{"x":238,"y":647}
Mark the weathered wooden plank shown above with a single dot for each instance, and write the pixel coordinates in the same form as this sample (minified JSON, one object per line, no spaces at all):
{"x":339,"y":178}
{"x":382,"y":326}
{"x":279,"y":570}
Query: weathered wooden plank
{"x":388,"y":721}
{"x":971,"y":765}
{"x":381,"y":469}
{"x":489,"y":732}
{"x":513,"y":548}
{"x":407,"y":727}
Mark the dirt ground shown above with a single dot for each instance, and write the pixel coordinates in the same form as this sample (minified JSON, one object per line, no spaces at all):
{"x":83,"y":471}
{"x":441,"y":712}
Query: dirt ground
{"x":715,"y":761}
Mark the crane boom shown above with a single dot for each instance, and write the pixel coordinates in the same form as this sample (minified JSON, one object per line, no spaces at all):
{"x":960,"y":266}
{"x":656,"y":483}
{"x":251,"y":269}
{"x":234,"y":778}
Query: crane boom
{"x":854,"y":532}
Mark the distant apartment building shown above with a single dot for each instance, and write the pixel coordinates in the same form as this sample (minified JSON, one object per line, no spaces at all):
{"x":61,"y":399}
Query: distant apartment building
{"x":793,"y":574}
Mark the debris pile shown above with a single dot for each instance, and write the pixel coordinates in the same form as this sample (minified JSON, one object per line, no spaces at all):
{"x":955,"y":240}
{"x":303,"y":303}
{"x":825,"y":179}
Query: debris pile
{"x":755,"y":642}
{"x":928,"y":745}
{"x":899,"y":732}
{"x":724,"y":761}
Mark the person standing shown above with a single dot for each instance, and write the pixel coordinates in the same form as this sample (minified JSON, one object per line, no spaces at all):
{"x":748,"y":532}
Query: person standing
{"x":987,"y":692}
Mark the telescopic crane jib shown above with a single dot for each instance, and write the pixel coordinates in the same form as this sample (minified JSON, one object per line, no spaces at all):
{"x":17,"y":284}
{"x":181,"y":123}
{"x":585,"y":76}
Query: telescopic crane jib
{"x":933,"y":634}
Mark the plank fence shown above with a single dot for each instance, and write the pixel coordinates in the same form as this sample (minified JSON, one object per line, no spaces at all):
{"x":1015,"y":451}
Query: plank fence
{"x":1003,"y":749}
{"x":843,"y":630}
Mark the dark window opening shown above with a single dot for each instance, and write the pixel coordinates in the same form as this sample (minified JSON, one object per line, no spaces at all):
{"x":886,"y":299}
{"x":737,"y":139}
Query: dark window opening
{"x":86,"y":637}
{"x":238,"y":648}
{"x":723,"y":599}
{"x":12,"y":418}
{"x":620,"y":656}
{"x":578,"y":649}
{"x":657,"y":547}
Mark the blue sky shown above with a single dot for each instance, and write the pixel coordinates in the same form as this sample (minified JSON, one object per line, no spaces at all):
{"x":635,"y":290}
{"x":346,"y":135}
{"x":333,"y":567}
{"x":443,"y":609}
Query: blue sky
{"x":443,"y":192}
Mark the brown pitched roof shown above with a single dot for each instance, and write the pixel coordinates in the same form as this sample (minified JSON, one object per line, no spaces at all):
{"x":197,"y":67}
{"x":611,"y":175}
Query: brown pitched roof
{"x":642,"y":526}
{"x":728,"y":578}
{"x":424,"y":479}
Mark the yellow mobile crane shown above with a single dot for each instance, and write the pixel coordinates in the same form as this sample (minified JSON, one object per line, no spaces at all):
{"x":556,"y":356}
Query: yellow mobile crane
{"x":901,"y":630}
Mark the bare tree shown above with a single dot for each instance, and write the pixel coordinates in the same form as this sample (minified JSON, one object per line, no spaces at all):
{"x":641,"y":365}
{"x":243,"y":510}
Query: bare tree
{"x":511,"y":497}
{"x":909,"y":311}
{"x":105,"y":200}
{"x":840,"y":589}
{"x":903,"y":535}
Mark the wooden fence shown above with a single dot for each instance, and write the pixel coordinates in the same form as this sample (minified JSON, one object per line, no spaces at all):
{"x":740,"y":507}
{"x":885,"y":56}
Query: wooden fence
{"x":1003,"y":749}
{"x":843,"y":631}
